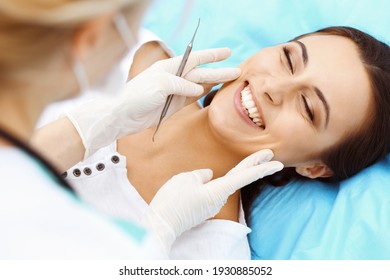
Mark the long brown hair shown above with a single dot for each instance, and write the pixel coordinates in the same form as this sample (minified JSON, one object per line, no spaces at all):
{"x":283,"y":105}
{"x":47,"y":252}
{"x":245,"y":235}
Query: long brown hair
{"x":367,"y":145}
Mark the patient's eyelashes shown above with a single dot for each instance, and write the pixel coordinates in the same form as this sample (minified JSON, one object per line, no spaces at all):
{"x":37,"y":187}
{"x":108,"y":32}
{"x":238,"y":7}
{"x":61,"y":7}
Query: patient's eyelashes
{"x":307,"y":108}
{"x":288,"y":57}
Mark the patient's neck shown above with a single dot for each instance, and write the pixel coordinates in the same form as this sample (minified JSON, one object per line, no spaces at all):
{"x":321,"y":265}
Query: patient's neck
{"x":188,"y":139}
{"x":183,"y":143}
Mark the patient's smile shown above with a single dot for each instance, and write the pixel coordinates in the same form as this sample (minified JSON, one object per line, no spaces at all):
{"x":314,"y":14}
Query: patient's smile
{"x":250,"y":107}
{"x":247,"y":108}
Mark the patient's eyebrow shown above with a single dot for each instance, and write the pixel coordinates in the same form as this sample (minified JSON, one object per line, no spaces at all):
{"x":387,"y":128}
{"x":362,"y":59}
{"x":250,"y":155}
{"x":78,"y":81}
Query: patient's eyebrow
{"x":325,"y":103}
{"x":305,"y":58}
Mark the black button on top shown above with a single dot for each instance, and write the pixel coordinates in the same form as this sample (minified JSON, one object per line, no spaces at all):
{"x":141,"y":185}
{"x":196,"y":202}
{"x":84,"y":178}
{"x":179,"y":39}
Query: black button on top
{"x":87,"y":171}
{"x":76,"y":172}
{"x":64,"y":175}
{"x":115,"y":159}
{"x":100,"y":166}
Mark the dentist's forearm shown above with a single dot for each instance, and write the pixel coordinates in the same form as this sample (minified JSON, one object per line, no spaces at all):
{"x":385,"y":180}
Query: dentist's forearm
{"x":60,"y":143}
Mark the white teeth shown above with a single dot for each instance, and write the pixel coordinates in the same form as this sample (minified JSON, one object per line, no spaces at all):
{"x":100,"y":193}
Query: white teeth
{"x":250,"y":106}
{"x":253,"y":111}
{"x":249,"y":103}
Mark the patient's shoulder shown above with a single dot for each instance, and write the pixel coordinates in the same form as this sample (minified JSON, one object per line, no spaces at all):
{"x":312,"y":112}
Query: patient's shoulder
{"x":145,"y":56}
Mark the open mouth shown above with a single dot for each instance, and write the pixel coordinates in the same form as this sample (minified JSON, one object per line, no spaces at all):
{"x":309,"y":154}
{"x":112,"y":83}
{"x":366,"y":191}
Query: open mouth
{"x":250,"y":108}
{"x":247,"y":107}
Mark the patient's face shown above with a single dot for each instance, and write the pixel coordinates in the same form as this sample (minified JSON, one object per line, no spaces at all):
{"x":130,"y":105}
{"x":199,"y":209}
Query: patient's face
{"x":302,"y":98}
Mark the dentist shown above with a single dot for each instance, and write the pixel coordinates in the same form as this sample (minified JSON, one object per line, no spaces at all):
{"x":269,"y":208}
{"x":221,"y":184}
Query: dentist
{"x":53,"y":50}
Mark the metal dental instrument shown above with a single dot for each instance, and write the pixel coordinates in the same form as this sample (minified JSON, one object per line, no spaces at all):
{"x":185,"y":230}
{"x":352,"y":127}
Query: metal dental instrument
{"x":179,"y":73}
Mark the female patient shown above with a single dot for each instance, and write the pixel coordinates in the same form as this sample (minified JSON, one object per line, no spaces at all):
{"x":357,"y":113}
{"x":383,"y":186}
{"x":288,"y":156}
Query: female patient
{"x":320,"y":102}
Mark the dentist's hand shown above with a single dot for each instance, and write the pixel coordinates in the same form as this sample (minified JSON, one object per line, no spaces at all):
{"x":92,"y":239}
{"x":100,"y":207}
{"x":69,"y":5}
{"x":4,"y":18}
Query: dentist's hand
{"x":190,"y":198}
{"x":160,"y":80}
{"x":139,"y":107}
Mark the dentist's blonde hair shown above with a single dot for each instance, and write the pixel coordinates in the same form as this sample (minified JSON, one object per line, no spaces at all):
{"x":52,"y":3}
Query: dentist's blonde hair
{"x":32,"y":31}
{"x":59,"y":12}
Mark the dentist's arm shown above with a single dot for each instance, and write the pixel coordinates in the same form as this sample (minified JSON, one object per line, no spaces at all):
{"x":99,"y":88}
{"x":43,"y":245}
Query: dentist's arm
{"x":100,"y":122}
{"x":60,"y":140}
{"x":60,"y":143}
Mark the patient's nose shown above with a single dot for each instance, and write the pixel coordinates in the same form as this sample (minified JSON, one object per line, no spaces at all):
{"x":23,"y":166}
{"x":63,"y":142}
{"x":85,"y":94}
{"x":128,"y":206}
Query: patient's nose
{"x":279,"y":90}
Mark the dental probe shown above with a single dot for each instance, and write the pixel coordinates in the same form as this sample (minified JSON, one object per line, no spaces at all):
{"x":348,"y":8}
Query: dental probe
{"x":179,"y":73}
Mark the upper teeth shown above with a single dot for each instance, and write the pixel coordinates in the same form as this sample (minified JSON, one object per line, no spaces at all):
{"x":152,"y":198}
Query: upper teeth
{"x":250,"y":106}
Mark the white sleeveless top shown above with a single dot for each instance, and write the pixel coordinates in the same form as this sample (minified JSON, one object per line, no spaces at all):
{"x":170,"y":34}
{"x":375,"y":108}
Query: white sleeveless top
{"x":102,"y":181}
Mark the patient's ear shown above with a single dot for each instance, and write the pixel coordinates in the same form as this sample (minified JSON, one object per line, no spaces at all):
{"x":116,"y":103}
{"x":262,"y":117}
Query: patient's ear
{"x":314,"y":170}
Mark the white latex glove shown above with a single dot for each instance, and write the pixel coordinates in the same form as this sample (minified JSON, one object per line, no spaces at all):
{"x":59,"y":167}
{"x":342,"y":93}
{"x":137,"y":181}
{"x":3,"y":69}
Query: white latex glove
{"x":102,"y":121}
{"x":190,"y":198}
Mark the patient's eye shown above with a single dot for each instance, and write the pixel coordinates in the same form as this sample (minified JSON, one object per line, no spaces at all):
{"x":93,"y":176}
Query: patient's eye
{"x":309,"y":110}
{"x":288,"y":57}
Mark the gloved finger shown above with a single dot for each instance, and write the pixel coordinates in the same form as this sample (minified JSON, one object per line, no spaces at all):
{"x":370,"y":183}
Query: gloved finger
{"x":212,"y":76}
{"x":204,"y":175}
{"x":206,"y":89}
{"x":256,"y":158}
{"x":180,"y":86}
{"x":206,"y":56}
{"x":196,"y":58}
{"x":230,"y":183}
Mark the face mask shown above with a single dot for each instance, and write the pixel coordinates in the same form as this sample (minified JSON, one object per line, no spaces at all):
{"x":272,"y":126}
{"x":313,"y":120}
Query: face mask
{"x":116,"y":79}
